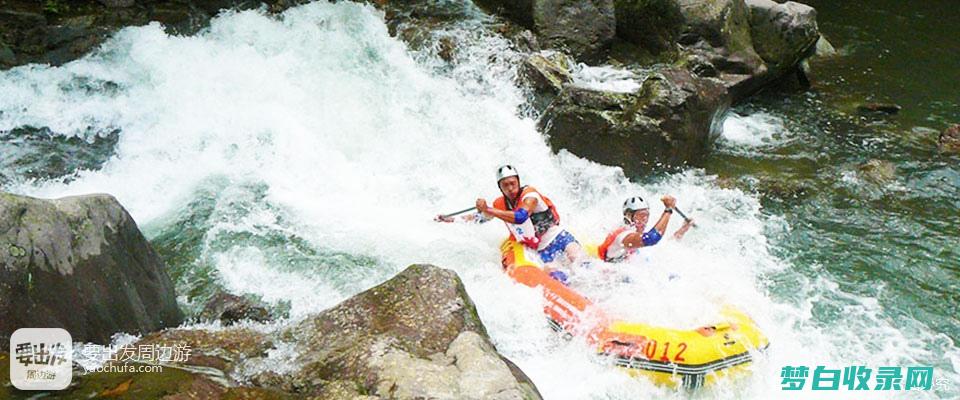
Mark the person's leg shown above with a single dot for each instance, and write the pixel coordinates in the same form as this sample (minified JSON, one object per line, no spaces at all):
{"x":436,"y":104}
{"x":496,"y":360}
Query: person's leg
{"x":573,"y":251}
{"x":551,"y":261}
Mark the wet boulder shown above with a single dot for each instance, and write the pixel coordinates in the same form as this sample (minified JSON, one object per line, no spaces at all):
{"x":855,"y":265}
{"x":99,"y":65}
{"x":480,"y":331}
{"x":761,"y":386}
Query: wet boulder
{"x":220,"y":351}
{"x":719,"y":38}
{"x":545,"y":73}
{"x":415,"y":336}
{"x":80,"y":263}
{"x":950,"y":139}
{"x":783,"y":34}
{"x":583,"y":28}
{"x":721,"y":23}
{"x":673,"y":119}
{"x":229,"y":309}
{"x":170,"y":383}
{"x":716,"y":37}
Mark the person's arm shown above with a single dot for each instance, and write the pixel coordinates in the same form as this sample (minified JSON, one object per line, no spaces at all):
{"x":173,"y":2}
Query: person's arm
{"x":476,"y":217}
{"x":683,"y":229}
{"x":643,"y":239}
{"x":517,"y":216}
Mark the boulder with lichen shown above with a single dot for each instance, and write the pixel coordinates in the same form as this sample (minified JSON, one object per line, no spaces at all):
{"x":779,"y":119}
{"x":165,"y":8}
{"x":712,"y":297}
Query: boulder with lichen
{"x":673,"y":119}
{"x":80,"y":263}
{"x":415,"y":336}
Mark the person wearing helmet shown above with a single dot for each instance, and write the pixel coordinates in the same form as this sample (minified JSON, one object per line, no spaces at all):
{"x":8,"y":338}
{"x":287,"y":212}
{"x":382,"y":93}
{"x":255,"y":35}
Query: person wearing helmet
{"x":531,"y":218}
{"x":625,"y":240}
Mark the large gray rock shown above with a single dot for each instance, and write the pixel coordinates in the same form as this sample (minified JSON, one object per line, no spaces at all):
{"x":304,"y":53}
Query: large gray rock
{"x":716,"y":42}
{"x":545,"y":73}
{"x":783,"y":34}
{"x":583,"y":28}
{"x":672,"y":119}
{"x":718,"y":38}
{"x":79,"y":263}
{"x":415,"y":336}
{"x":720,"y":30}
{"x":659,"y":25}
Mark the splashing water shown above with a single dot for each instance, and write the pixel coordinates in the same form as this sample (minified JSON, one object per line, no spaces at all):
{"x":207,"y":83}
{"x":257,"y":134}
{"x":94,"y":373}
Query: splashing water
{"x":282,"y":149}
{"x":757,"y":129}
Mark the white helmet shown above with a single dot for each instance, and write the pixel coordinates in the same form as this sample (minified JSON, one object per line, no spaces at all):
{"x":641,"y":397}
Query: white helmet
{"x":506,"y":171}
{"x":634,"y":204}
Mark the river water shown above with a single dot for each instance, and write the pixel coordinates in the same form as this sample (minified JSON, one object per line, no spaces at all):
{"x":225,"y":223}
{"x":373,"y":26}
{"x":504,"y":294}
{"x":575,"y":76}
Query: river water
{"x":301,"y":158}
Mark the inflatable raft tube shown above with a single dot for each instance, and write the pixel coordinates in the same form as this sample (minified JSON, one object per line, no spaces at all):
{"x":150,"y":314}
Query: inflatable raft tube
{"x":674,"y":357}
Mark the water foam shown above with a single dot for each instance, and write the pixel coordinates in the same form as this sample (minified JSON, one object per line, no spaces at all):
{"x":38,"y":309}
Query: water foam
{"x":759,"y":129}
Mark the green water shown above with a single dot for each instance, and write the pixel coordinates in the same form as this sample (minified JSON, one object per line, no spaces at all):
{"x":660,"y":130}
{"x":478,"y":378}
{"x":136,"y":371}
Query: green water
{"x":893,"y":237}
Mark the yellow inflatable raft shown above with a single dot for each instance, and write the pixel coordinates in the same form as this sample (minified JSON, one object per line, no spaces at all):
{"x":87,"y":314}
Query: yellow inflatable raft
{"x":691,"y":358}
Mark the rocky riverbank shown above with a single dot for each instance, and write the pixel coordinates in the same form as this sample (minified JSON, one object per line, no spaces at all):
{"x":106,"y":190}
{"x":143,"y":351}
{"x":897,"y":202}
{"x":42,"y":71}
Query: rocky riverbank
{"x":692,"y":59}
{"x":81,"y":263}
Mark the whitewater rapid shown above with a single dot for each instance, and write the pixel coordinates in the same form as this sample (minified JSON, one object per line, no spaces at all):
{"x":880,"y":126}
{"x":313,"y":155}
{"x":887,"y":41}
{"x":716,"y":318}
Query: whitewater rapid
{"x":315,"y":132}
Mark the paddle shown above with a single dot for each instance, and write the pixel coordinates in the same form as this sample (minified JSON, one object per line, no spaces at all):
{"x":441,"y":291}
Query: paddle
{"x":454,"y":214}
{"x":685,"y":218}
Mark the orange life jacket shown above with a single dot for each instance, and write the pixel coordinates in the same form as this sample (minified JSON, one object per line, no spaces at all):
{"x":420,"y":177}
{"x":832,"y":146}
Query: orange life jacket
{"x":542,"y":220}
{"x":602,"y":249}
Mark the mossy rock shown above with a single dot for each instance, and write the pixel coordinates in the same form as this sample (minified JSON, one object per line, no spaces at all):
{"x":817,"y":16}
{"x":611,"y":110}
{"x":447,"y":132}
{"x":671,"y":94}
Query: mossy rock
{"x":783,"y":34}
{"x":372,"y":341}
{"x":672,"y":120}
{"x":169,"y":383}
{"x":219,"y":349}
{"x":86,"y":267}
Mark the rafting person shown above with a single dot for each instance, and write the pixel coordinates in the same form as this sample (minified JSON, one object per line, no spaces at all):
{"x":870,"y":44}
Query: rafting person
{"x":532,"y":219}
{"x":624,"y":241}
